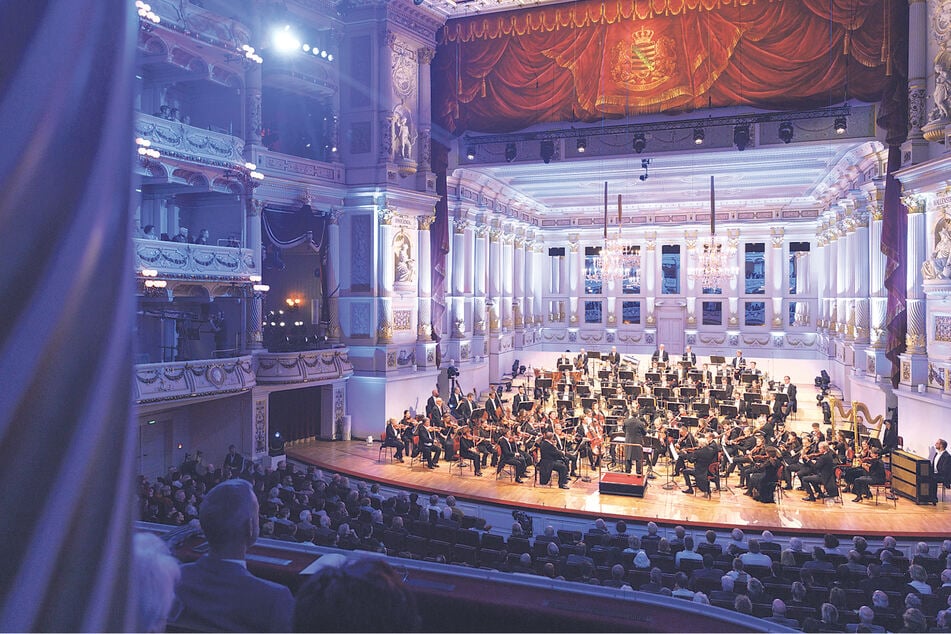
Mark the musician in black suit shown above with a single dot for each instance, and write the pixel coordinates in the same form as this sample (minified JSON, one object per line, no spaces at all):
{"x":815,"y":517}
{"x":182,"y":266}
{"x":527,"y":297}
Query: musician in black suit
{"x":427,"y":446}
{"x":689,"y":355}
{"x":704,"y":456}
{"x":431,"y":401}
{"x":392,"y":439}
{"x":467,"y":450}
{"x":789,"y":389}
{"x":634,"y":431}
{"x":510,"y":456}
{"x":437,"y":410}
{"x":493,"y":407}
{"x":563,"y":360}
{"x":465,"y":408}
{"x":613,"y":359}
{"x":823,"y":473}
{"x":660,"y":355}
{"x":581,"y":362}
{"x":552,"y":459}
{"x":518,"y":399}
{"x":942,"y":465}
{"x":739,"y":361}
{"x":876,"y":475}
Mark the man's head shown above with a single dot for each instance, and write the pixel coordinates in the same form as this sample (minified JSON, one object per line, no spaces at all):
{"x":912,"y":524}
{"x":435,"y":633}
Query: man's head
{"x":229,"y":518}
{"x":779,"y":608}
{"x":941,"y":444}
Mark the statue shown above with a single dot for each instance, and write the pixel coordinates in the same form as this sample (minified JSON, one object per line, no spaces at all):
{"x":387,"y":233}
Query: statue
{"x":941,"y":111}
{"x":402,"y":136}
{"x":939,"y":265}
{"x":405,"y":265}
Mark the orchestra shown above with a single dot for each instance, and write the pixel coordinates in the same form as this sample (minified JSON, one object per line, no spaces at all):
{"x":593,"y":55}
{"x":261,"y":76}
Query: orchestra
{"x":602,"y":413}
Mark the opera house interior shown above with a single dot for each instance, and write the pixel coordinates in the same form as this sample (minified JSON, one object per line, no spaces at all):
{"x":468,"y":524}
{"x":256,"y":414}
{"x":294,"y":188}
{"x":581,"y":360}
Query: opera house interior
{"x":629,"y":273}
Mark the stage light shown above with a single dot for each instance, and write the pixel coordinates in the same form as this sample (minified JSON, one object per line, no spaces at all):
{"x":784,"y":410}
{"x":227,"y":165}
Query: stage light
{"x":840,"y":125}
{"x":582,"y":145}
{"x":741,"y":136}
{"x":470,"y":153}
{"x":510,"y":152}
{"x":698,"y":136}
{"x":640,"y":142}
{"x":785,"y":132}
{"x":284,"y":40}
{"x":547,"y":151}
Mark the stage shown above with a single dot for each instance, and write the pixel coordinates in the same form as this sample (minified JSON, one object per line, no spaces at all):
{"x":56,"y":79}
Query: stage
{"x":725,"y":511}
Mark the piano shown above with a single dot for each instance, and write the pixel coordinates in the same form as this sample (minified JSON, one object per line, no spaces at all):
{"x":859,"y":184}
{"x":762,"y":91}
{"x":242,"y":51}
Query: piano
{"x":912,"y":477}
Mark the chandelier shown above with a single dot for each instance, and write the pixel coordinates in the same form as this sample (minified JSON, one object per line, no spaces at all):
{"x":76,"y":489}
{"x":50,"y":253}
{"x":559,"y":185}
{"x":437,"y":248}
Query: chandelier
{"x":617,"y":260}
{"x":715,"y":262}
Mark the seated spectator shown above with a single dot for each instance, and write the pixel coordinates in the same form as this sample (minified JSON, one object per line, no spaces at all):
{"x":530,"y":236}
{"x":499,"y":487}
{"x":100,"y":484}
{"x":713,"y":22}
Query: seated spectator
{"x":204,"y":237}
{"x":889,"y":544}
{"x":756,"y":592}
{"x":710,"y":545}
{"x":617,"y":577}
{"x":884,"y":614}
{"x":942,"y":622}
{"x":656,"y":582}
{"x":830,"y":544}
{"x":620,"y":528}
{"x":358,"y":595}
{"x":829,"y":619}
{"x":777,"y":575}
{"x":148,"y":232}
{"x":779,"y":615}
{"x":687,"y":552}
{"x":919,"y":580}
{"x":725,"y":593}
{"x":663,"y":557}
{"x":549,"y":536}
{"x":650,"y":540}
{"x":707,"y":571}
{"x":681,"y":591}
{"x":866,"y":618}
{"x":701,"y":598}
{"x":600,"y":528}
{"x":767,"y":545}
{"x":737,"y":545}
{"x":217,"y":593}
{"x":819,"y":562}
{"x":876,"y":581}
{"x":642,"y":561}
{"x":754,"y":557}
{"x":853,"y":570}
{"x":633,"y":544}
{"x":677,"y":541}
{"x":945,"y":588}
{"x":154,"y":575}
{"x":738,"y":572}
{"x":181,"y":236}
{"x":914,"y":621}
{"x":743,"y":605}
{"x":797,"y":594}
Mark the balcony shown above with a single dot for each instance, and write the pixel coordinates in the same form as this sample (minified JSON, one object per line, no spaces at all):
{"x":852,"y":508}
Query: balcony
{"x":303,"y":367}
{"x":199,"y":262}
{"x":178,"y":140}
{"x":188,"y":379}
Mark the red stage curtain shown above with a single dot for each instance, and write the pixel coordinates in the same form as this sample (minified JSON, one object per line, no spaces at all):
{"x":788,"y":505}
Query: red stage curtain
{"x":594,"y":59}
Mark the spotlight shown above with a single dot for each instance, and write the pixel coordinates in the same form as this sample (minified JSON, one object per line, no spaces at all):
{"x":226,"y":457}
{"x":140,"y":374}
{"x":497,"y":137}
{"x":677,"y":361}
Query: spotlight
{"x":417,"y":2}
{"x":582,"y":145}
{"x":547,"y":150}
{"x":741,"y":136}
{"x":284,"y":39}
{"x":640,"y":142}
{"x":510,"y":152}
{"x":840,"y":125}
{"x":785,"y":132}
{"x":698,"y":136}
{"x":470,"y":152}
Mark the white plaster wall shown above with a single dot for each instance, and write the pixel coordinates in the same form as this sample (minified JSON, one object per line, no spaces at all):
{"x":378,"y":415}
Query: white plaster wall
{"x":923,"y":418}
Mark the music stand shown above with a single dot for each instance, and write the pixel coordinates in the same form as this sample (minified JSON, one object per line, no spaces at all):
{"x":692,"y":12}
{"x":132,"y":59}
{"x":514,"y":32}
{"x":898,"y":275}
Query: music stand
{"x":701,"y":409}
{"x":717,"y":360}
{"x":685,"y":365}
{"x":584,"y":391}
{"x":604,"y":375}
{"x":587,"y":402}
{"x":608,"y":392}
{"x":748,"y":379}
{"x":565,"y":368}
{"x":674,"y":406}
{"x":689,"y":421}
{"x":729,"y":411}
{"x":632,"y":390}
{"x":594,"y":355}
{"x":626,"y":375}
{"x":567,"y":405}
{"x":672,"y":453}
{"x":647,"y":403}
{"x":662,"y":393}
{"x":617,"y":403}
{"x":750,"y":397}
{"x":526,"y":406}
{"x":758,"y":409}
{"x":781,"y":397}
{"x":653,"y":377}
{"x":545,"y":384}
{"x":688,"y":392}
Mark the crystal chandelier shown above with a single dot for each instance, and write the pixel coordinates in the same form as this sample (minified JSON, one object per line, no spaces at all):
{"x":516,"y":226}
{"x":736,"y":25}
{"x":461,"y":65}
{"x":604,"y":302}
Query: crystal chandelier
{"x":715,"y":262}
{"x":616,"y":261}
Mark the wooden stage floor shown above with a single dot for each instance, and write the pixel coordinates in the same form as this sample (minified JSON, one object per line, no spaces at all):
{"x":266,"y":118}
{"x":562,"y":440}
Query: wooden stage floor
{"x":790,"y":515}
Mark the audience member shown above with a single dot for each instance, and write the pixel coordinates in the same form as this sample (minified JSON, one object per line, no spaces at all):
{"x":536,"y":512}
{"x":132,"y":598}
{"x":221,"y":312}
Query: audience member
{"x":779,"y":615}
{"x":154,"y":575}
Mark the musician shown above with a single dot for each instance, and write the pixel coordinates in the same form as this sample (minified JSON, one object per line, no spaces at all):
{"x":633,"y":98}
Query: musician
{"x":438,"y":408}
{"x":445,"y":436}
{"x":431,"y":401}
{"x":689,"y":355}
{"x":408,"y":426}
{"x":752,"y":369}
{"x":392,"y":439}
{"x":823,"y":475}
{"x":467,"y":450}
{"x":427,"y":445}
{"x":750,"y":462}
{"x":518,"y":399}
{"x":563,"y":444}
{"x":702,"y":458}
{"x":493,"y":406}
{"x":634,"y":432}
{"x":465,"y":408}
{"x":684,"y":442}
{"x":875,"y":475}
{"x":509,"y":456}
{"x":761,"y":481}
{"x":942,"y":465}
{"x":791,"y":449}
{"x":660,"y":355}
{"x":614,"y":359}
{"x":456,"y":399}
{"x":581,"y":362}
{"x":552,"y":459}
{"x":739,"y":446}
{"x":817,"y":432}
{"x":789,"y":389}
{"x":738,"y":362}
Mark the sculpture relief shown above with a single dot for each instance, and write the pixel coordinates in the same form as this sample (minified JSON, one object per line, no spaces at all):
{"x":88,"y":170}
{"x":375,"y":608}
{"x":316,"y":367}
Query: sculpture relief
{"x":402,"y":134}
{"x":938,"y":266}
{"x":404,"y":266}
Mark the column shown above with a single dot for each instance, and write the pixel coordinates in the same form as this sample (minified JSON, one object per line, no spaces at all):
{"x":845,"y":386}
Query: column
{"x":851,"y":265}
{"x":494,"y":296}
{"x":255,"y":335}
{"x":774,"y":278}
{"x":518,"y":282}
{"x":649,"y":276}
{"x":861,"y":276}
{"x":424,"y":281}
{"x":252,"y":106}
{"x":385,"y":275}
{"x":424,"y":142}
{"x":333,"y":266}
{"x":458,"y":325}
{"x":914,"y":362}
{"x":481,"y":267}
{"x":508,"y":274}
{"x":916,"y":148}
{"x":574,"y":277}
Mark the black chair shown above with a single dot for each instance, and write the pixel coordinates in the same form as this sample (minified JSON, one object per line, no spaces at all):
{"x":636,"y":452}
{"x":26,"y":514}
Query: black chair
{"x":490,"y":558}
{"x":518,"y":545}
{"x":492,"y":541}
{"x":569,"y":537}
{"x":467,"y":537}
{"x":463,"y":554}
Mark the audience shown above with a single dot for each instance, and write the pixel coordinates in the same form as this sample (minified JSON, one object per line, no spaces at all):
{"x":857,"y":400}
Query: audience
{"x":154,"y":573}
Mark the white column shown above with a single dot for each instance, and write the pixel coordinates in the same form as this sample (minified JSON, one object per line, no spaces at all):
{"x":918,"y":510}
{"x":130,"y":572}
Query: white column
{"x":495,"y":278}
{"x":774,"y":278}
{"x":877,"y":292}
{"x":518,"y":272}
{"x":424,"y":281}
{"x":508,"y":274}
{"x":333,"y":266}
{"x":917,"y":252}
{"x":385,"y":275}
{"x":458,"y":326}
{"x":481,"y":272}
{"x":575,"y":269}
{"x":862,"y":267}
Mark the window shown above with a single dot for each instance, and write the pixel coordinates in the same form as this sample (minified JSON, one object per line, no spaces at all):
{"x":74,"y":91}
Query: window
{"x":755,"y":268}
{"x":592,"y":271}
{"x":712,"y":313}
{"x":712,"y":291}
{"x":670,"y":269}
{"x":755,"y":314}
{"x":592,"y":312}
{"x":631,"y":284}
{"x":630,"y":313}
{"x":797,"y":252}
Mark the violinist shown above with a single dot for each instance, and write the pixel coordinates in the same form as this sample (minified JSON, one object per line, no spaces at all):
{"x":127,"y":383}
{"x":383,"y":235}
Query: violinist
{"x":484,"y":443}
{"x":509,"y":456}
{"x":552,"y":459}
{"x":684,"y":444}
{"x":563,"y":442}
{"x":455,"y":400}
{"x":875,"y":475}
{"x":467,"y":450}
{"x":427,"y":444}
{"x":840,"y":446}
{"x":751,"y":462}
{"x":702,"y":458}
{"x":858,"y":468}
{"x":810,"y":451}
{"x":438,"y":408}
{"x":593,"y":439}
{"x":392,"y":439}
{"x":407,"y":425}
{"x":739,"y":446}
{"x":445,"y":435}
{"x":823,"y":475}
{"x":761,"y":481}
{"x":431,"y":401}
{"x":518,"y":399}
{"x":790,"y":447}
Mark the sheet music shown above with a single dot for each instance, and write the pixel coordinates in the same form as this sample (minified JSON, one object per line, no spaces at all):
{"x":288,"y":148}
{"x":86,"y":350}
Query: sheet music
{"x":673,"y":452}
{"x":726,"y":453}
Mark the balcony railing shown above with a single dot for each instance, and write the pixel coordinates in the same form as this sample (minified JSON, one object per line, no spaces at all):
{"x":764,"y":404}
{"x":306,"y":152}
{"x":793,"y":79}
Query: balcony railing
{"x":188,"y":142}
{"x":194,"y":261}
{"x":303,"y":367}
{"x":186,"y":379}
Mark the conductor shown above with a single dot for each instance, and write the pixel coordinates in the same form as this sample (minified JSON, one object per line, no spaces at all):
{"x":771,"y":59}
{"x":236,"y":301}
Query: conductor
{"x":634,"y":430}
